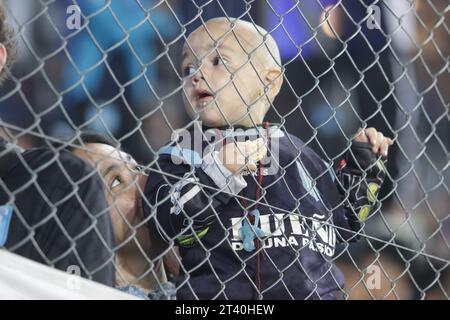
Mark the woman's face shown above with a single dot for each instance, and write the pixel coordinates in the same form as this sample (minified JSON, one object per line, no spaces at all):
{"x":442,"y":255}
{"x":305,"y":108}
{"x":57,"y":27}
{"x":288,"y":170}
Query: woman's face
{"x":118,"y":170}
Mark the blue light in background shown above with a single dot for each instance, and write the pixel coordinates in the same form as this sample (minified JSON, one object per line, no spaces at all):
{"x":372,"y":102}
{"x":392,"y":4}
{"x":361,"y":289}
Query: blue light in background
{"x":297,"y":28}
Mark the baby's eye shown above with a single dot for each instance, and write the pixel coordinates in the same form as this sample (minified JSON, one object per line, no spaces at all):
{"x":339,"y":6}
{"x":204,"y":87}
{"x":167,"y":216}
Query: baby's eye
{"x":117,"y":181}
{"x":219,"y":60}
{"x":188,"y":71}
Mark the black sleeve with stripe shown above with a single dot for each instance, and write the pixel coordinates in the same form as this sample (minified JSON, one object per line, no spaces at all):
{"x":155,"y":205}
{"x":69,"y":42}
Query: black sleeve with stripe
{"x":181,"y":200}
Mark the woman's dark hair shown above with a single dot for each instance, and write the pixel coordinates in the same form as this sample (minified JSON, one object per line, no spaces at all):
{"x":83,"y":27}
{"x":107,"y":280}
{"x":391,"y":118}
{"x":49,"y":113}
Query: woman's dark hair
{"x":93,"y":137}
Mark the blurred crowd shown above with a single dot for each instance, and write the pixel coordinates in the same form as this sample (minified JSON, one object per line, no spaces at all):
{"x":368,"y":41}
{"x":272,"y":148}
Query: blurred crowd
{"x":119,"y":74}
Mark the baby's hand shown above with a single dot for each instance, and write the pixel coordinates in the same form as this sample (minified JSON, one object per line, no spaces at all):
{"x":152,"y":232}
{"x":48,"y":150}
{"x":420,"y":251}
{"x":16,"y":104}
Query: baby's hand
{"x":237,"y":156}
{"x":379,"y":142}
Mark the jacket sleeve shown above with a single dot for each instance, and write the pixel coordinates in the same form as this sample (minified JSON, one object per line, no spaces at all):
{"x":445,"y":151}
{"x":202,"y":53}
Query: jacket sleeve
{"x":184,"y":197}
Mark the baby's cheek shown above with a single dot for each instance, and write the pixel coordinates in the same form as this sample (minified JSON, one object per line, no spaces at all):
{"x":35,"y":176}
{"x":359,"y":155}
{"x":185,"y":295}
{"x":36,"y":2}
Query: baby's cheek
{"x":249,"y":85}
{"x":187,"y":96}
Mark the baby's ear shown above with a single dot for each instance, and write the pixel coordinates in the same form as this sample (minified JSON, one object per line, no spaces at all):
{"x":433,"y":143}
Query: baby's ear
{"x":3,"y":56}
{"x":273,"y":81}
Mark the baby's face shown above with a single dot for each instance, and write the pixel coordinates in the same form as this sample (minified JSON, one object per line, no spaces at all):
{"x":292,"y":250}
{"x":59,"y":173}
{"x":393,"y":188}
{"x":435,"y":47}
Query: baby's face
{"x":220,"y":84}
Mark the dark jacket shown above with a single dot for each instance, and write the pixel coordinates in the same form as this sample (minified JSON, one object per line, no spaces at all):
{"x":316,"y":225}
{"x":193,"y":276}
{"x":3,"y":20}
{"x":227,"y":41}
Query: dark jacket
{"x":60,"y":216}
{"x":301,"y":213}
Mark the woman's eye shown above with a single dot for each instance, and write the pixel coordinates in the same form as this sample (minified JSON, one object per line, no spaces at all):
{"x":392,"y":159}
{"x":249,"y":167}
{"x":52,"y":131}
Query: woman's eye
{"x":219,"y":60}
{"x":188,"y":71}
{"x":116,"y":182}
{"x":138,"y":169}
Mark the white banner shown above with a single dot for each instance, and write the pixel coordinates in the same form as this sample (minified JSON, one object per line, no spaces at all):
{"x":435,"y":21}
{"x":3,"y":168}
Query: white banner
{"x":21,"y":278}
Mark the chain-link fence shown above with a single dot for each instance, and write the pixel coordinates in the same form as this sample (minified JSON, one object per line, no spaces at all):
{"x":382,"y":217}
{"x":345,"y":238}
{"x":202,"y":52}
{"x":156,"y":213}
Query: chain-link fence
{"x":103,"y":83}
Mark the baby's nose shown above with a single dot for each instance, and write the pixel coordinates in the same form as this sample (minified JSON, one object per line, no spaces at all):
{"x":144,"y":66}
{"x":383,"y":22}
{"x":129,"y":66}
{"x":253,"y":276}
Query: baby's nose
{"x":197,"y":76}
{"x":203,"y":72}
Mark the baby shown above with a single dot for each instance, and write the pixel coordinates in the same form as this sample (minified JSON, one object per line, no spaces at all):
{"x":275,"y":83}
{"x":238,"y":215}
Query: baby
{"x":255,"y":212}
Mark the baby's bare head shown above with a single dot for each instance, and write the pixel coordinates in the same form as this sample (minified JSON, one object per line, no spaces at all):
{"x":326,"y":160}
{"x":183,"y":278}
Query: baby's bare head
{"x":233,"y":72}
{"x":251,"y":40}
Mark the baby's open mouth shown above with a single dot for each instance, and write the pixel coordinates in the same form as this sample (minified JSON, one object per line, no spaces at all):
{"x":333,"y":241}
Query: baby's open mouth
{"x":203,"y":95}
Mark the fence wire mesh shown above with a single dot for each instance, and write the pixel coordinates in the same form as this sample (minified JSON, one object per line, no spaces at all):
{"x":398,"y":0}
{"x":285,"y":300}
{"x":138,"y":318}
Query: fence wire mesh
{"x":121,"y":68}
